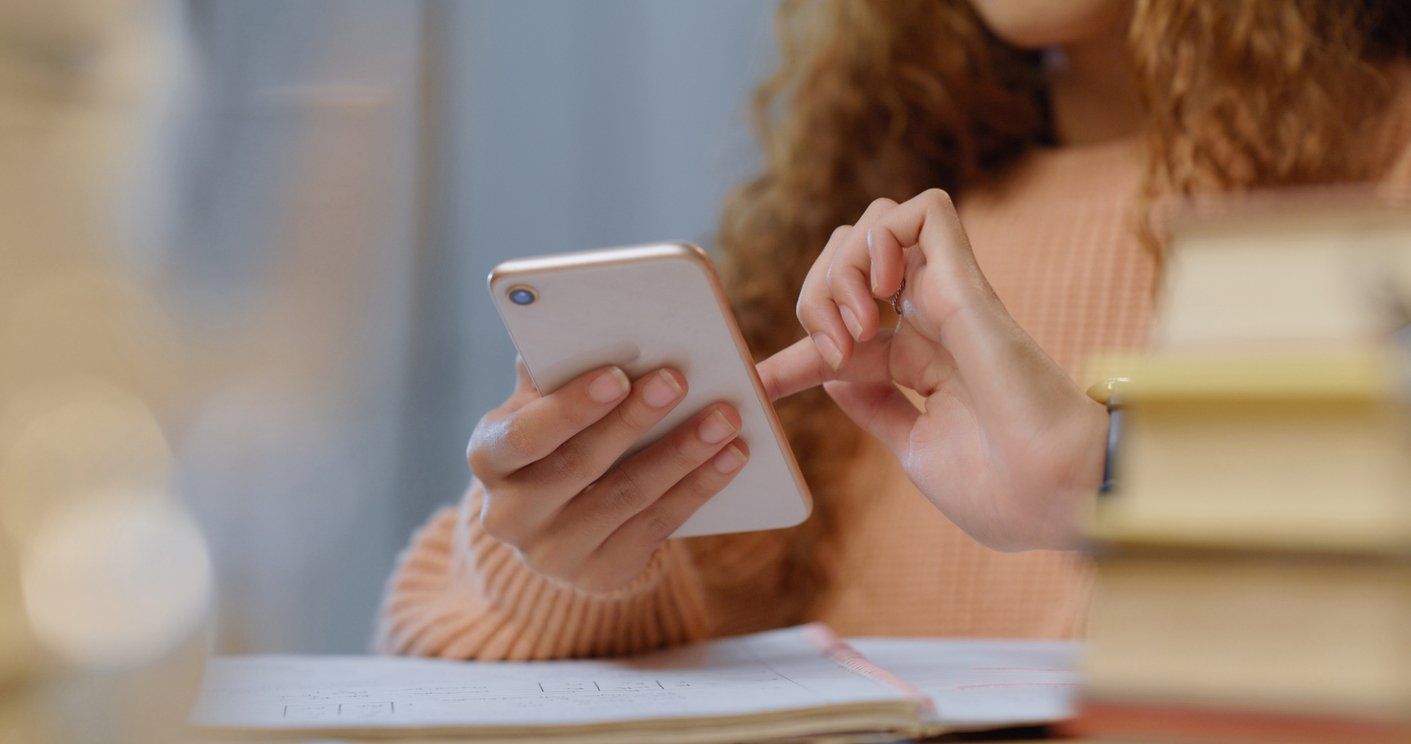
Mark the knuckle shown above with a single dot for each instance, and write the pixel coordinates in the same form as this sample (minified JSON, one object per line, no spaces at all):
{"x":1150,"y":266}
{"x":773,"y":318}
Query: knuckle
{"x":518,"y":440}
{"x":803,"y":314}
{"x":936,"y":197}
{"x":807,"y":310}
{"x":703,"y":487}
{"x":839,"y":275}
{"x":622,"y":494}
{"x":681,"y":450}
{"x":582,"y":412}
{"x":570,"y":461}
{"x":633,"y":416}
{"x":838,"y":232}
{"x":707,"y":483}
{"x":881,"y":203}
{"x":477,"y":458}
{"x":658,"y":526}
{"x":476,"y":452}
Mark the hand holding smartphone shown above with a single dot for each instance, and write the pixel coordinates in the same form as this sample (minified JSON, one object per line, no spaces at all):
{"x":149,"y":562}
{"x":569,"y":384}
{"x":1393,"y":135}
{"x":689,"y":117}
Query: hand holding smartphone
{"x":643,"y":309}
{"x":638,"y":416}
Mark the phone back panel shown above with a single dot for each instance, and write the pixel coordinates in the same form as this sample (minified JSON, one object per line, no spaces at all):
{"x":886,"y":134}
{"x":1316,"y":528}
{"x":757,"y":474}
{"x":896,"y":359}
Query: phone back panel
{"x":646,"y":307}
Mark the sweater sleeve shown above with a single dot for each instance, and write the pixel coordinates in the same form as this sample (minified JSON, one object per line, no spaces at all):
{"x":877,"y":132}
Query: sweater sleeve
{"x":459,"y":593}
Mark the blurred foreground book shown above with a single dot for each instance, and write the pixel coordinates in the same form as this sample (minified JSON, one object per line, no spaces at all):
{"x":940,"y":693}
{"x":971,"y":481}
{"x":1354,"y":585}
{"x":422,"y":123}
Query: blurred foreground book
{"x":1254,"y":559}
{"x":1302,"y":271}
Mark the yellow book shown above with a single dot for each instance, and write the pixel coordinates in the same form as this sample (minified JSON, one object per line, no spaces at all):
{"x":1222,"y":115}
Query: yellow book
{"x":1291,"y":273}
{"x":1302,"y":449}
{"x":1289,"y":633}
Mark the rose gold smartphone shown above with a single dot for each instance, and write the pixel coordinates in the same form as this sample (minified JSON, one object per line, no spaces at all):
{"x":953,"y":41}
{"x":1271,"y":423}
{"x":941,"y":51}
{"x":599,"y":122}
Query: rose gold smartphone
{"x":644,"y":307}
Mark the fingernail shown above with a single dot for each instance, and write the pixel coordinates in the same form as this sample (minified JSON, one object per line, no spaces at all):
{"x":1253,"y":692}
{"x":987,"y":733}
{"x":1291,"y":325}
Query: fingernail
{"x":872,"y":263}
{"x":853,"y":324}
{"x":730,"y":459}
{"x":829,"y":350}
{"x":609,"y":386}
{"x":716,"y":428}
{"x":661,"y":390}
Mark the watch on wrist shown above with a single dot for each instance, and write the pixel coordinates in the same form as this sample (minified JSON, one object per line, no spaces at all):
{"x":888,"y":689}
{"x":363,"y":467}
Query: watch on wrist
{"x":1108,"y":393}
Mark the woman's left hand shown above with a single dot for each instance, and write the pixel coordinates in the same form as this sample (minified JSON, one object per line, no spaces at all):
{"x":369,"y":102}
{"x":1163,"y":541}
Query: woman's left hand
{"x":1007,"y":446}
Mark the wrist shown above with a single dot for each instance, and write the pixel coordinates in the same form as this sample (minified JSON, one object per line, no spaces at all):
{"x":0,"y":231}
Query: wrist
{"x":1087,"y":477}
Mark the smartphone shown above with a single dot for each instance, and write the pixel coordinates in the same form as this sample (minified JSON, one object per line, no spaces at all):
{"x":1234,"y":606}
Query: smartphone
{"x":645,"y":307}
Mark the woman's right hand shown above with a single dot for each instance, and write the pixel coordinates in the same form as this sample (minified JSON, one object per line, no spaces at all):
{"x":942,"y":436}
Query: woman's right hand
{"x":1006,"y":444}
{"x":556,"y":492}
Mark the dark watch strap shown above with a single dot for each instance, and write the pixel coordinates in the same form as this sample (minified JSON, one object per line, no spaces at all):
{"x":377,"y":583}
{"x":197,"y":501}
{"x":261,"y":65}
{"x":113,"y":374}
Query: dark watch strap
{"x":1107,"y":393}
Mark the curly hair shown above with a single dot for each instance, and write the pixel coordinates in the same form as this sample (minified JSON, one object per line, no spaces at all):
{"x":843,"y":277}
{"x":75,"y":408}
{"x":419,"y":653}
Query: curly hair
{"x":1247,"y":94}
{"x":877,"y":98}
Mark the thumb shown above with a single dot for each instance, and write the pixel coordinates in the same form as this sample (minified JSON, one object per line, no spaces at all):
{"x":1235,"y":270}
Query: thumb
{"x":880,"y":409}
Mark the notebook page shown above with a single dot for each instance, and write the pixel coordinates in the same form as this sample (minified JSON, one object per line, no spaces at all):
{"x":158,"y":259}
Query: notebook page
{"x":977,"y":683}
{"x":774,"y":671}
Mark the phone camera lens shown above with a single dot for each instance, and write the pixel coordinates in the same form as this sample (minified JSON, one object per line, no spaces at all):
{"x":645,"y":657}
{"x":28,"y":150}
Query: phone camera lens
{"x":522,"y":295}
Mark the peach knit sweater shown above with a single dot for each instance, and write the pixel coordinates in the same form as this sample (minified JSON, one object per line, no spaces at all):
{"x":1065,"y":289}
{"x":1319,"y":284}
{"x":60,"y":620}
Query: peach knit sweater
{"x":1056,"y":239}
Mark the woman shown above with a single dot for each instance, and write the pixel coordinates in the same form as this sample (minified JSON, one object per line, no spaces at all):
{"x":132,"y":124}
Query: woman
{"x":1054,"y":160}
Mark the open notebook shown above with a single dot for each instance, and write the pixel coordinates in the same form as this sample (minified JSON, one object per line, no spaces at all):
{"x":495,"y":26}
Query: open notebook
{"x":794,"y":682}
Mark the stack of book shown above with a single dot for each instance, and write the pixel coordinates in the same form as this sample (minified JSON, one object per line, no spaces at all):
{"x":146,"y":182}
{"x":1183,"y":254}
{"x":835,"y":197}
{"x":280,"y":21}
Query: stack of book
{"x":1254,"y":558}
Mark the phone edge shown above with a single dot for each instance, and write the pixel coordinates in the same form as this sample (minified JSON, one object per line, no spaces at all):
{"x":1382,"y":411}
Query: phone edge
{"x":703,"y":262}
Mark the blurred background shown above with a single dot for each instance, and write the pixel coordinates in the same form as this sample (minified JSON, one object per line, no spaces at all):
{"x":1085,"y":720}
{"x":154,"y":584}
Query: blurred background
{"x":302,"y":201}
{"x":340,"y":178}
{"x":244,"y":331}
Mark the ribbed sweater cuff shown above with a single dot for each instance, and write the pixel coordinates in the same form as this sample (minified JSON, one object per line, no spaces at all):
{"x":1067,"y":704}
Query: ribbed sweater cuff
{"x":460,"y":593}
